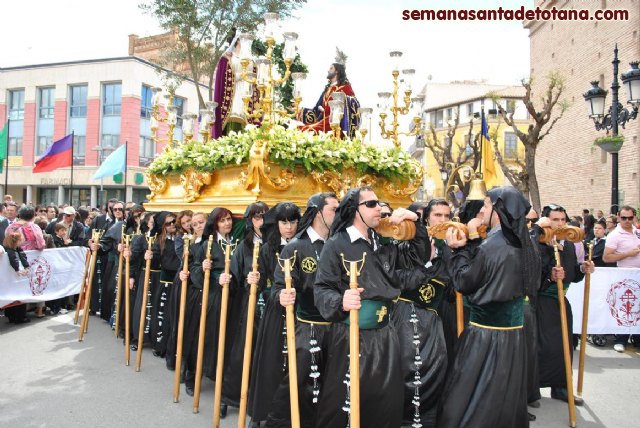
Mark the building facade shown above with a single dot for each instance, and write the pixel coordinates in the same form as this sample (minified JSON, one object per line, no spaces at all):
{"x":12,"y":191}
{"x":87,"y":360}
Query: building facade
{"x":444,"y":102}
{"x":105,"y":103}
{"x":571,"y":171}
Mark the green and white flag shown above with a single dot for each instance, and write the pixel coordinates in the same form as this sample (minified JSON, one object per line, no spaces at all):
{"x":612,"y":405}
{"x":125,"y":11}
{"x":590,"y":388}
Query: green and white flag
{"x":4,"y":141}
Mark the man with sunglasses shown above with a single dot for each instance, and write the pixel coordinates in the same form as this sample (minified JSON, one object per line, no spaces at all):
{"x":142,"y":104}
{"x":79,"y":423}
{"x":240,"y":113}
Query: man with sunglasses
{"x":623,"y":248}
{"x":353,"y":240}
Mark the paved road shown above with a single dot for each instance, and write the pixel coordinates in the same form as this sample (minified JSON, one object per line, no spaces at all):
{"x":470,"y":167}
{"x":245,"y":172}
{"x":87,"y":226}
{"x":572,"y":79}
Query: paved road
{"x":49,"y":379}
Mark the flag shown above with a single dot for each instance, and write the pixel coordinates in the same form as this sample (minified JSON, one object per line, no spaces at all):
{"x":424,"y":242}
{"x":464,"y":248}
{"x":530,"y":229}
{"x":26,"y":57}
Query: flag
{"x":489,"y":174}
{"x":54,"y":273}
{"x":114,"y":164}
{"x":614,"y":302}
{"x":58,"y":155}
{"x":4,"y":142}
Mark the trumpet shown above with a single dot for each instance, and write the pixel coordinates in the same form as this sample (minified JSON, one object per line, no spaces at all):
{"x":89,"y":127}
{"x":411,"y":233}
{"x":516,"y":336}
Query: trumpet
{"x":439,"y":231}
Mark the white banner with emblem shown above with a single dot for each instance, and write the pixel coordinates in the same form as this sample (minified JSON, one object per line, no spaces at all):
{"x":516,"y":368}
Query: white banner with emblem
{"x":53,"y":274}
{"x":614,"y":302}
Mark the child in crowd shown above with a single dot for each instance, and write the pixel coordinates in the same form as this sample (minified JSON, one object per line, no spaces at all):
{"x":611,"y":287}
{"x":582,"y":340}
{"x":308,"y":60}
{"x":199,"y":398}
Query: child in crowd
{"x":60,"y":238}
{"x":18,"y":261}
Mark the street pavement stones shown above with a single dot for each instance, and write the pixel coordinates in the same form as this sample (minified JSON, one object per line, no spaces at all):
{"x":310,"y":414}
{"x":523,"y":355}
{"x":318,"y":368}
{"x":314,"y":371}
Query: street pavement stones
{"x":49,"y":379}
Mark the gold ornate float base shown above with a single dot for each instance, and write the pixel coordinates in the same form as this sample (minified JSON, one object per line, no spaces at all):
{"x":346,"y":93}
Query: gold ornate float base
{"x":238,"y":186}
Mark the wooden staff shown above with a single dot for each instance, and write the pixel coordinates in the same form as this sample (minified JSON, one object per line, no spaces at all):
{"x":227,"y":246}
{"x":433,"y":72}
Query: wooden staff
{"x":127,"y":302}
{"x":222,"y":336}
{"x":119,"y":287}
{"x":96,"y":235}
{"x":459,"y":313}
{"x":354,"y":348}
{"x":291,"y":348}
{"x":565,"y":343}
{"x":248,"y":341}
{"x":143,"y":308}
{"x":585,"y":319}
{"x":82,"y":287}
{"x":202,"y":329}
{"x":183,"y":304}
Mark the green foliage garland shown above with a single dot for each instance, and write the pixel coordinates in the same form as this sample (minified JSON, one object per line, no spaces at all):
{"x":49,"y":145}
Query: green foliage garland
{"x":288,"y":148}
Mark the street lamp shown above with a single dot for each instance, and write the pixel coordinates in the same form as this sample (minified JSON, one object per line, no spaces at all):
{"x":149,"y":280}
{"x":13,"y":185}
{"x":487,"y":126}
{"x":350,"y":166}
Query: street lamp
{"x":617,"y":114}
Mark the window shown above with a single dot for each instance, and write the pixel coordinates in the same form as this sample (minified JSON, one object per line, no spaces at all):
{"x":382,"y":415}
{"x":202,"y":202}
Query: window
{"x":79,"y":149}
{"x":47,"y":196}
{"x":147,"y":151}
{"x":450,"y":113}
{"x":510,"y":145}
{"x":78,"y":95}
{"x":15,"y":146}
{"x":47,"y":102}
{"x":110,"y":141}
{"x":469,"y":138}
{"x":470,"y":109}
{"x":145,"y":102}
{"x":179,"y":102}
{"x":112,"y":99}
{"x":16,"y":104}
{"x":42,"y":144}
{"x":439,"y":119}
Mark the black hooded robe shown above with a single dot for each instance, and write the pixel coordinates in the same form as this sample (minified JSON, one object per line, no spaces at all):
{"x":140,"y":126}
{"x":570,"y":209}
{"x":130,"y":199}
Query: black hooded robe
{"x":311,"y":335}
{"x":381,"y":381}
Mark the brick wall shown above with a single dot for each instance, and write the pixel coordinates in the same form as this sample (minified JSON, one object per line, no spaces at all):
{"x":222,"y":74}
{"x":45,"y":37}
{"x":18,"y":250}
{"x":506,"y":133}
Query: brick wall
{"x":130,"y":128}
{"x":28,"y":140}
{"x":570,"y":170}
{"x":93,"y":131}
{"x":60,"y":120}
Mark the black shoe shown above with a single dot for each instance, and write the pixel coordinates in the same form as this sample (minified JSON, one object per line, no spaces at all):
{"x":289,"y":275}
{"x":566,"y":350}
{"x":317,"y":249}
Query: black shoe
{"x":134,"y":347}
{"x":157,"y":354}
{"x":531,"y":417}
{"x":534,"y":404}
{"x":561,"y":394}
{"x":254,"y":424}
{"x":223,"y":411}
{"x":189,"y":390}
{"x":22,"y":321}
{"x":171,"y":365}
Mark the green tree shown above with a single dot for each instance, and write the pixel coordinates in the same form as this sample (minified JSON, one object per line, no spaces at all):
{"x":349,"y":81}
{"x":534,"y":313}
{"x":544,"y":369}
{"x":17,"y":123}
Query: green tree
{"x":201,"y":28}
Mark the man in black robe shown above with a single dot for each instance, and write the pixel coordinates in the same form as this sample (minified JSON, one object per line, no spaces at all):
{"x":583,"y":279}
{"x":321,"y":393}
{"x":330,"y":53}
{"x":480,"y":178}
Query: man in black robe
{"x":311,"y":327}
{"x":550,"y":351}
{"x":486,"y":386}
{"x":352,"y":239}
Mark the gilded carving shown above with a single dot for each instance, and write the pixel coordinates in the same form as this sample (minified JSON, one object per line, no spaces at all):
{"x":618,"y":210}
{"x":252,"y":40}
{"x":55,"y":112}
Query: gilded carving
{"x":257,"y":171}
{"x":157,"y":185}
{"x":192,"y":182}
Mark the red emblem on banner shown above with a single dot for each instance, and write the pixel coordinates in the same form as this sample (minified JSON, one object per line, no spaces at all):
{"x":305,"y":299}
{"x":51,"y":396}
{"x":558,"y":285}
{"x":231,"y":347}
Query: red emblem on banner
{"x":624,"y":302}
{"x":40,"y":276}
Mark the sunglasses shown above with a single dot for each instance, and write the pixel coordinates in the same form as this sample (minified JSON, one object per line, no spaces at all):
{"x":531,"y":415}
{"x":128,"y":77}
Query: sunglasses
{"x":627,"y":218}
{"x":385,"y":215}
{"x":117,"y":209}
{"x":370,"y":203}
{"x":169,"y":223}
